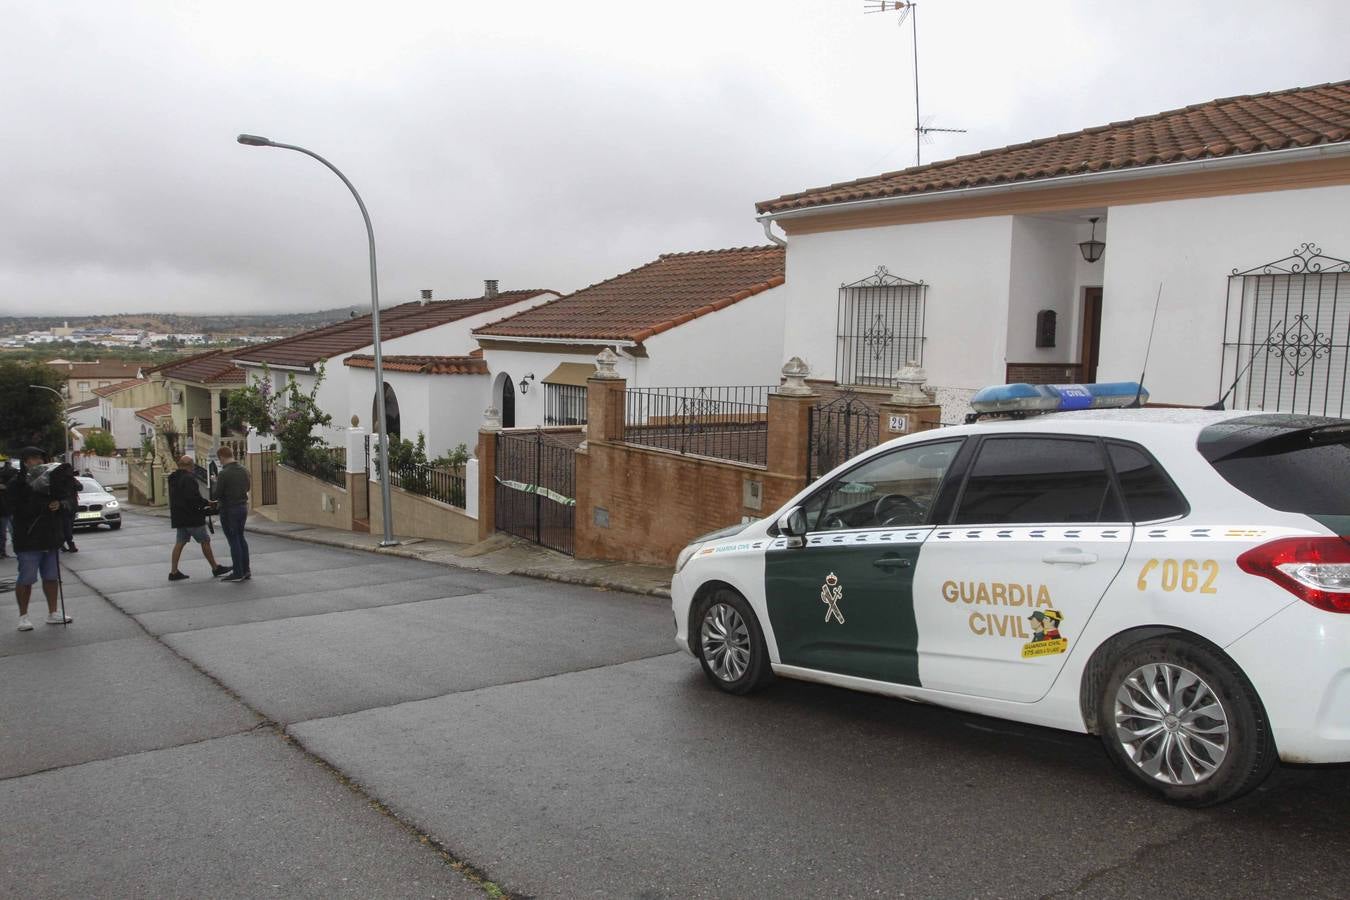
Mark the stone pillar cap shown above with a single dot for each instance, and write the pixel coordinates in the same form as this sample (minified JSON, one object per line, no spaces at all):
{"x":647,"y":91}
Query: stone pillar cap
{"x":605,"y":365}
{"x":794,"y":384}
{"x":909,"y":381}
{"x":492,"y":419}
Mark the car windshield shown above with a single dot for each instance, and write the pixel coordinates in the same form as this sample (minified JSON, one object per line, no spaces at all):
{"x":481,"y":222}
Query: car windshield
{"x":90,"y":486}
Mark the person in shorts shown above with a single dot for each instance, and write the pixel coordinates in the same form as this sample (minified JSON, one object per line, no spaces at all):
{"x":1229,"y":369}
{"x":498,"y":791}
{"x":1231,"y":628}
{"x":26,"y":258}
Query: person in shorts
{"x":188,"y":510}
{"x":38,"y":497}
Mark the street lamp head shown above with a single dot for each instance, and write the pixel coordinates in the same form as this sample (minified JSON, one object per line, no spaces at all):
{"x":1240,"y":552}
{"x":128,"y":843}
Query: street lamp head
{"x":253,"y":140}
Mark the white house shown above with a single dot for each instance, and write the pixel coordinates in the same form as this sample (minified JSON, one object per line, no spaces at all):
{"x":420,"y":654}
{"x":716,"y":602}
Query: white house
{"x":117,"y":405}
{"x":420,"y":328}
{"x":707,"y":318}
{"x":986,"y":267}
{"x":440,"y":396}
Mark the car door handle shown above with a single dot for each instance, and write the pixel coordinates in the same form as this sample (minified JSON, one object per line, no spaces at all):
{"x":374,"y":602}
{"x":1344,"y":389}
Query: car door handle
{"x":1070,"y":557}
{"x":892,"y":562}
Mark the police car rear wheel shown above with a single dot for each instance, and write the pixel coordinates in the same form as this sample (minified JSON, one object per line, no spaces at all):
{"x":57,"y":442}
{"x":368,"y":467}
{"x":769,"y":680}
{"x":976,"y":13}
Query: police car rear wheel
{"x":1181,"y":720}
{"x":731,"y":644}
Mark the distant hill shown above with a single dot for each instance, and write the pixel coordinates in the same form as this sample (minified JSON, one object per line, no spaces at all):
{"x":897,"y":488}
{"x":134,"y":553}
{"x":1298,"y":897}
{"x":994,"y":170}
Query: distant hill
{"x":280,"y":324}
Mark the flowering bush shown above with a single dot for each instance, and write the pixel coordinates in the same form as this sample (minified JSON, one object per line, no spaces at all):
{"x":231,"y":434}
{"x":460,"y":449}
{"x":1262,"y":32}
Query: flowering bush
{"x":289,"y":415}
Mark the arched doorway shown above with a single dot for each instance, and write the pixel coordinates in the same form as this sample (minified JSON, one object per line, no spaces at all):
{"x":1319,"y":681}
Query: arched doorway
{"x":391,"y":416}
{"x":507,"y":402}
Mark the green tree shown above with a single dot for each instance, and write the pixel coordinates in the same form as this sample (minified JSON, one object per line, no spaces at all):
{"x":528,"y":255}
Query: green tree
{"x":290,"y":416}
{"x":28,"y":416}
{"x":100,"y":443}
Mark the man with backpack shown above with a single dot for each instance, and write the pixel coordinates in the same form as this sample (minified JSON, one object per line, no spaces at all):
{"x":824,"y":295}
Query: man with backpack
{"x":188,"y":510}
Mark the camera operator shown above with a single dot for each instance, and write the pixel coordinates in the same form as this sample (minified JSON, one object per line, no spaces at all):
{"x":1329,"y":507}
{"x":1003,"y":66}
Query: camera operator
{"x":39,"y":497}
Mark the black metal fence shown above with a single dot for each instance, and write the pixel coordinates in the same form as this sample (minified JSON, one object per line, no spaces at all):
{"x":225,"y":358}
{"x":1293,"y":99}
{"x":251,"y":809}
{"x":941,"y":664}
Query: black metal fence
{"x":445,"y":485}
{"x":1286,"y":341}
{"x":840,"y":429}
{"x":535,"y":490}
{"x":324,"y":463}
{"x":268,"y":463}
{"x":880,"y":327}
{"x":728,"y":422}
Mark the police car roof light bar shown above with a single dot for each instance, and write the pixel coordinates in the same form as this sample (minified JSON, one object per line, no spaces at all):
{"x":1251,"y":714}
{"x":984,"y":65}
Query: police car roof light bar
{"x":1018,"y":400}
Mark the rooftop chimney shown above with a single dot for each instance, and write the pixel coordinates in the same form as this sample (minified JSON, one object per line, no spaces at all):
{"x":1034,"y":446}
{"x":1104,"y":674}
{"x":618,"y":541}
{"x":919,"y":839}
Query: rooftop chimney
{"x":490,"y":288}
{"x":426,"y":296}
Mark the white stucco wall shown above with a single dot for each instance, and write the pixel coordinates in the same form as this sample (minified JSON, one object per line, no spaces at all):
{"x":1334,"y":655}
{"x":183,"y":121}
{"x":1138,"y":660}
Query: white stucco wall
{"x":1046,"y":274}
{"x":740,"y":344}
{"x":1191,"y":246}
{"x":448,"y":409}
{"x":519,"y":363}
{"x":966,"y":264}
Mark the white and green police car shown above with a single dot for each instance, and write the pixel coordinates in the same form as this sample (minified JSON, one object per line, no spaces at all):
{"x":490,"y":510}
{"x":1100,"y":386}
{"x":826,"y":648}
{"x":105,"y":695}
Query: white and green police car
{"x":1175,"y":581}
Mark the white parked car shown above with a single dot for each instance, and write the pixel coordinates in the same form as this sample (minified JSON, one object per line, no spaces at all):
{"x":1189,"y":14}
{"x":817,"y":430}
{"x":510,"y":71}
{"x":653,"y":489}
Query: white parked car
{"x":1175,"y":581}
{"x":97,"y":506}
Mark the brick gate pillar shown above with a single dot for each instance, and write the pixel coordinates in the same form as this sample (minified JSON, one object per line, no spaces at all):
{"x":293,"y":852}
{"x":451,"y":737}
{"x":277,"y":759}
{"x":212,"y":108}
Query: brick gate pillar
{"x":789,"y":429}
{"x":910,"y":408}
{"x":487,"y":472}
{"x":605,"y":394}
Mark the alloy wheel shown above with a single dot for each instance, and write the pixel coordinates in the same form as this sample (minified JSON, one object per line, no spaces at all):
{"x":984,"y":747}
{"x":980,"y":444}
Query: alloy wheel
{"x":1171,"y":724}
{"x":725,"y":640}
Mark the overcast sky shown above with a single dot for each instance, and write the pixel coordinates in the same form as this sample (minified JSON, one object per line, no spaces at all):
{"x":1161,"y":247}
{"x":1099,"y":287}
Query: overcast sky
{"x":543,"y":143}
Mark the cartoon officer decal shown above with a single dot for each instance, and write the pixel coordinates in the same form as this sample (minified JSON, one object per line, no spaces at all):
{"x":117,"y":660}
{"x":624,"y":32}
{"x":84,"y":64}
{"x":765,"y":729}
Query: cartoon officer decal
{"x":1045,"y":637}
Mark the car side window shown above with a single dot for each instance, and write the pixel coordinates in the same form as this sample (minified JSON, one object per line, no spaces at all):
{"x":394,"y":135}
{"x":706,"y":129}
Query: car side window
{"x":895,"y":489}
{"x":1149,"y":494}
{"x":1033,"y":479}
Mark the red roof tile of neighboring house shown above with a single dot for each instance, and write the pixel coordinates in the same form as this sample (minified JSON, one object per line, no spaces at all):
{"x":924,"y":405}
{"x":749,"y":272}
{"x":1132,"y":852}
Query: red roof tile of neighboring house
{"x":212,"y":367}
{"x":151,"y":413}
{"x":422,"y":365}
{"x":119,"y":386}
{"x":311,"y":347}
{"x":650,"y":299}
{"x":99,"y":369}
{"x":1300,"y":117}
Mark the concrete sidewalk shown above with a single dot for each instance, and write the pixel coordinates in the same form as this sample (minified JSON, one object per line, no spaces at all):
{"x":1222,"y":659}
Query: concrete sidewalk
{"x":500,"y":554}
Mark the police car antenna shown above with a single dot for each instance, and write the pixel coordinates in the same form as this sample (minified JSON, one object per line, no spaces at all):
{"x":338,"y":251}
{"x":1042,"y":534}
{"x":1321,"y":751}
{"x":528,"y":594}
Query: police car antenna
{"x":1139,"y":394}
{"x":1218,"y":405}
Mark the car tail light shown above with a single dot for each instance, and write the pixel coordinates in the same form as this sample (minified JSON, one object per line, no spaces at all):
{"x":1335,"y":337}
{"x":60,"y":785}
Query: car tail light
{"x":1314,"y":569}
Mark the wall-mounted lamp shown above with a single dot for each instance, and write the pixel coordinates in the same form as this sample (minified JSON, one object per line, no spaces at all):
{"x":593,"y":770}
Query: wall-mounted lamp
{"x":1092,"y":248}
{"x":525,"y":383}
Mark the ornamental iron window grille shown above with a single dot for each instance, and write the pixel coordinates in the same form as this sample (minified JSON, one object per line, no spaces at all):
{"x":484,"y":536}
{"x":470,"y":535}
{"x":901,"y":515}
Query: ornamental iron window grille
{"x":564,"y":404}
{"x":1286,"y":342}
{"x":880,"y":327}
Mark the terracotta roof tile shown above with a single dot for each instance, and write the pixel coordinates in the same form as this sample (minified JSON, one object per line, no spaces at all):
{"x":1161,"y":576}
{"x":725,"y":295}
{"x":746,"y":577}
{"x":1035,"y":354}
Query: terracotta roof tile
{"x":212,"y":367}
{"x":1300,"y":117}
{"x":96,"y":369}
{"x":311,"y":347}
{"x":151,"y":413}
{"x":650,"y":299}
{"x":422,"y":365}
{"x":119,"y":386}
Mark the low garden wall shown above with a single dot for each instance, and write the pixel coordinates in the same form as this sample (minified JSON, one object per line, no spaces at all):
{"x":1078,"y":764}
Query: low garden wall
{"x":422,"y":517}
{"x":307,"y":500}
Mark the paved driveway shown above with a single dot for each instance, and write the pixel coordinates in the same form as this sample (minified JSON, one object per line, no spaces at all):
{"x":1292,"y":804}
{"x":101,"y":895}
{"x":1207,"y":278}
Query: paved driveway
{"x":547,"y":735}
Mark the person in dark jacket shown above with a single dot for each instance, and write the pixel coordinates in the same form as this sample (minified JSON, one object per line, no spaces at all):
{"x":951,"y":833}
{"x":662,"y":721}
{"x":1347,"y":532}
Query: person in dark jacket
{"x":187,"y":513}
{"x":231,"y":495}
{"x":7,"y":474}
{"x":39,"y":496}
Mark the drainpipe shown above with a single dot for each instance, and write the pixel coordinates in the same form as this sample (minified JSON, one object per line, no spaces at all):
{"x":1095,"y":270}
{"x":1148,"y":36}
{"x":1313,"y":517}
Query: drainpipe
{"x":768,"y":232}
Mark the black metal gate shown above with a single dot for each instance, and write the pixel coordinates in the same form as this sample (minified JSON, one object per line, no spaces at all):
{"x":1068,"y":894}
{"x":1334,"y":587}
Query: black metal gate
{"x":269,"y":477}
{"x":536,"y":489}
{"x":1286,"y":345}
{"x":840,"y":430}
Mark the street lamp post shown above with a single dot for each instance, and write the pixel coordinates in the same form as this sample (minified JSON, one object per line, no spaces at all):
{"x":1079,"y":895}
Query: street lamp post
{"x":382,"y":461}
{"x":65,"y":425}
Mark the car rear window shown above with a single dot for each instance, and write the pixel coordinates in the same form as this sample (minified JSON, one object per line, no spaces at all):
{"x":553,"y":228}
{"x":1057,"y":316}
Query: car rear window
{"x":1305,"y":471}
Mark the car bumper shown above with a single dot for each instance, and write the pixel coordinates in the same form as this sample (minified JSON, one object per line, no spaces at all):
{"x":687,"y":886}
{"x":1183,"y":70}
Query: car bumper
{"x":681,"y":595}
{"x":1299,"y":662}
{"x":94,"y":519}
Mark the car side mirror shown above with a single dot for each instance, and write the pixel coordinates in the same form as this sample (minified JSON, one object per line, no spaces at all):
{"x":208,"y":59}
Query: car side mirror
{"x":792,"y":525}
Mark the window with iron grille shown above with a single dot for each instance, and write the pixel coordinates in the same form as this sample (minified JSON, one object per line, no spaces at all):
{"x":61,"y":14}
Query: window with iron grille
{"x":564,"y":404}
{"x":880,"y":329}
{"x":1287,"y":335}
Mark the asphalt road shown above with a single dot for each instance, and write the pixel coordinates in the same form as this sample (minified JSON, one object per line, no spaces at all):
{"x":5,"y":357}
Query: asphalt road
{"x":346,"y":724}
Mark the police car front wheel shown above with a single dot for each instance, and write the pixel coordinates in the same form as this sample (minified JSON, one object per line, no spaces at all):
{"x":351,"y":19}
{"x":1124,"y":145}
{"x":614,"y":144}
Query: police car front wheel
{"x":1182,"y":720}
{"x":730,"y":643}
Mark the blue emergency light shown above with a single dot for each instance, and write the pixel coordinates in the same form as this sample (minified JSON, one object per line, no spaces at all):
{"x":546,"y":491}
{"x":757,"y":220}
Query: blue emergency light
{"x":1040,"y":398}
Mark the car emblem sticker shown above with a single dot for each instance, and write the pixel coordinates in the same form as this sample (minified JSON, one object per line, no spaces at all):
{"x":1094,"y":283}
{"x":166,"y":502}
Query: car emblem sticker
{"x":830,"y":594}
{"x":1045,"y":637}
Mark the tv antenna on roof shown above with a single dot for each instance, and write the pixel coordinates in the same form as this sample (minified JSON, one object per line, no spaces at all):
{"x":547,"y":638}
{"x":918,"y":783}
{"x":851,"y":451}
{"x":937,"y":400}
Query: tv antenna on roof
{"x":906,"y":8}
